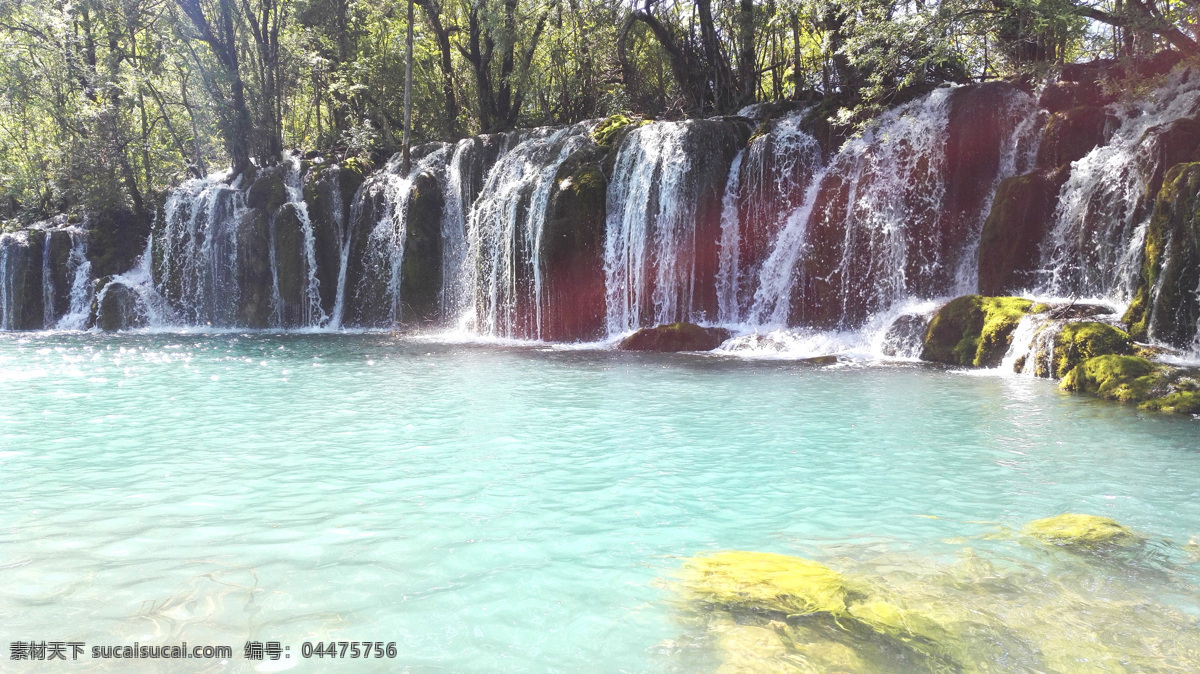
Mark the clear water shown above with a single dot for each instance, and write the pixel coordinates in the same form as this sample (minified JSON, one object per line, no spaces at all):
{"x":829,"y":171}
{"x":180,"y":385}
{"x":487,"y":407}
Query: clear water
{"x":524,"y":508}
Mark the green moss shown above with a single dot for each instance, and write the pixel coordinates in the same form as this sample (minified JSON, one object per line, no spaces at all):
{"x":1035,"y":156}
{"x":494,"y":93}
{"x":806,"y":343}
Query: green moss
{"x":1179,"y":402}
{"x":1077,"y":342}
{"x":1080,"y":531}
{"x":762,"y":581}
{"x":974,"y":331}
{"x":1124,"y":378}
{"x":798,"y":588}
{"x":1176,"y":212}
{"x":1153,"y":386}
{"x":607,"y":131}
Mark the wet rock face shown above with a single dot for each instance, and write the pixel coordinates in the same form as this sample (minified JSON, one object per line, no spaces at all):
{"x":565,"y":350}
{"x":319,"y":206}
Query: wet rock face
{"x":973,"y":331}
{"x":253,"y":271}
{"x":675,"y":337}
{"x":713,"y":143}
{"x":115,"y":241}
{"x":119,"y":309}
{"x":1165,"y":306}
{"x":421,"y":269}
{"x":1071,"y":134}
{"x":291,"y":267}
{"x":1022,"y":212}
{"x":60,"y":270}
{"x":329,"y":194}
{"x":1168,"y":145}
{"x":21,"y":280}
{"x":1063,"y":95}
{"x":905,"y":337}
{"x":573,"y":250}
{"x":975,"y":136}
{"x":267,"y":191}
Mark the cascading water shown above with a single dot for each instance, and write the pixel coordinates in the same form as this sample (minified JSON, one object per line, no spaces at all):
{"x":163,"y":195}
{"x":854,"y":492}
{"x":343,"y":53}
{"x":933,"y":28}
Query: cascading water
{"x":378,"y":291}
{"x":132,"y":299}
{"x":79,"y":269}
{"x":1094,"y":248}
{"x":897,"y":214}
{"x":768,"y":180}
{"x":662,"y":224}
{"x":14,"y":254}
{"x":199,"y":249}
{"x":649,"y":219}
{"x":504,"y":233}
{"x":466,"y":175}
{"x":313,"y":314}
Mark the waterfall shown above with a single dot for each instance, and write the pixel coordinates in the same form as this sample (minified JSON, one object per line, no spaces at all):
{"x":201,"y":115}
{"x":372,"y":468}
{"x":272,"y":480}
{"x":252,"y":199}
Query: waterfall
{"x":649,"y":218}
{"x":199,"y":249}
{"x":380,"y":234}
{"x":337,"y":314}
{"x":465,"y":176}
{"x":897,"y":214}
{"x":14,"y":251}
{"x":79,"y":270}
{"x":663,"y":222}
{"x":132,"y":299}
{"x":313,"y":315}
{"x":1094,"y":248}
{"x":47,"y":285}
{"x":504,"y":233}
{"x":768,"y":180}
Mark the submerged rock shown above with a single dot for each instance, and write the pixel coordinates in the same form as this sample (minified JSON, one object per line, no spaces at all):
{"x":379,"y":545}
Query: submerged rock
{"x":763,"y":581}
{"x":675,"y":337}
{"x":974,"y":331}
{"x":1130,"y":379}
{"x":1080,"y":531}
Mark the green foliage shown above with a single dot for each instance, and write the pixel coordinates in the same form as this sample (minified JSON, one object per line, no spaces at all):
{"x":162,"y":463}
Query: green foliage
{"x":105,"y":104}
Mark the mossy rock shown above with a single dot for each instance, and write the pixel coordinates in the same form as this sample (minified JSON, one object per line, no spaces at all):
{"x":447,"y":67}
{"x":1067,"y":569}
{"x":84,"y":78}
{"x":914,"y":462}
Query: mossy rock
{"x":807,"y":593}
{"x":607,"y":131}
{"x":675,"y":337}
{"x":762,"y":581}
{"x":973,"y":330}
{"x":1123,"y":378}
{"x":1021,"y":212}
{"x":1074,"y":530}
{"x":1153,"y":386}
{"x":267,"y":191}
{"x":1077,"y":342}
{"x":1164,"y":305}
